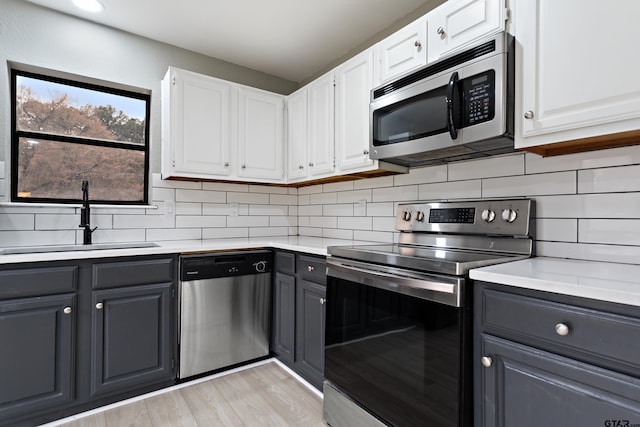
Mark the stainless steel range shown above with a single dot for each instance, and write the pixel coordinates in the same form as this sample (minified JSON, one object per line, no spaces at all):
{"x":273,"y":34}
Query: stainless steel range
{"x":399,"y":320}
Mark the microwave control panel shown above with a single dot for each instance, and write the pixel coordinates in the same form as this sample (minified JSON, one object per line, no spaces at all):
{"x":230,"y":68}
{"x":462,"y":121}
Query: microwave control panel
{"x":478,"y":93}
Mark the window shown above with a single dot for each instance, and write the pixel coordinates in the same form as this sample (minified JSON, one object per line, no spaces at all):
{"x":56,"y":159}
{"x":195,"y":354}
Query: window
{"x":65,"y":132}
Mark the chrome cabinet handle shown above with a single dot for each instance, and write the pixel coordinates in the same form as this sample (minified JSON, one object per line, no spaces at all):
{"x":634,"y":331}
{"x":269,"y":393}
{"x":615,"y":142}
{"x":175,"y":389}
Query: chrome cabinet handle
{"x":440,"y":31}
{"x":67,"y":310}
{"x":417,"y":44}
{"x":365,"y":152}
{"x":310,"y":268}
{"x":243,"y":166}
{"x":311,"y":164}
{"x":226,"y":164}
{"x":300,"y":167}
{"x":562,"y":329}
{"x":322,"y":301}
{"x":99,"y":306}
{"x":529,"y":115}
{"x":486,"y":361}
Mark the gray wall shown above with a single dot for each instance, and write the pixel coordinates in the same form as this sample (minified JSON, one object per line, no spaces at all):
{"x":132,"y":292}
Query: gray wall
{"x":32,"y":35}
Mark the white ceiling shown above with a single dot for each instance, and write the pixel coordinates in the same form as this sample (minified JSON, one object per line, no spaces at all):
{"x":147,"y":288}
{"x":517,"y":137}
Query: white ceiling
{"x":291,"y":39}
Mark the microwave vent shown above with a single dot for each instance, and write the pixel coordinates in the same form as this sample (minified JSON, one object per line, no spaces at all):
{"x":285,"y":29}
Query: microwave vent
{"x":430,"y":70}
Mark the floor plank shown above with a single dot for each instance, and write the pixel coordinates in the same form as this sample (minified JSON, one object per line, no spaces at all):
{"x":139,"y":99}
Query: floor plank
{"x":264,"y":395}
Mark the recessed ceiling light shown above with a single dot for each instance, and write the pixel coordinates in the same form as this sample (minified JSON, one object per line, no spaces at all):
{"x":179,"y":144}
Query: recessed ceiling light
{"x":89,"y":5}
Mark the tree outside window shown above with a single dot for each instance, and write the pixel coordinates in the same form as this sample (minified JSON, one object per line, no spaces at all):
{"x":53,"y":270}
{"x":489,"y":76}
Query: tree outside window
{"x":65,"y":132}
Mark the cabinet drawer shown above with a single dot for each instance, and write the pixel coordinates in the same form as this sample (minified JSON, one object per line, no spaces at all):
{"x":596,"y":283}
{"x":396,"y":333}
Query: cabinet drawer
{"x":286,"y":262}
{"x":579,"y":331}
{"x":312,"y":268}
{"x":38,"y":281}
{"x":127,"y":273}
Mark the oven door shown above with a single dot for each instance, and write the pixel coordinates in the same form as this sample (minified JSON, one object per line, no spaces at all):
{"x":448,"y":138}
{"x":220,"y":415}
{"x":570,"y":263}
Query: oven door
{"x":398,"y":343}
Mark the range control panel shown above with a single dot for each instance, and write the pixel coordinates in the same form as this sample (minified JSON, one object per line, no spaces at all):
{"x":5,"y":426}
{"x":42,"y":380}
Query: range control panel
{"x":511,"y":217}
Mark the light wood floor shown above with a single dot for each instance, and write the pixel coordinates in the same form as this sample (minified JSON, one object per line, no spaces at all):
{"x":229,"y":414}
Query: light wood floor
{"x":264,"y":395}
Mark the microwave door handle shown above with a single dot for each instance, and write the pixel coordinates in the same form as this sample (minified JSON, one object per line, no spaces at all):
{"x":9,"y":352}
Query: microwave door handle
{"x":451,"y":126}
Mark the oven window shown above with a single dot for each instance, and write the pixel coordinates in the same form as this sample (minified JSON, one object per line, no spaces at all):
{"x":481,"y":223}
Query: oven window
{"x":397,"y":356}
{"x":417,"y":117}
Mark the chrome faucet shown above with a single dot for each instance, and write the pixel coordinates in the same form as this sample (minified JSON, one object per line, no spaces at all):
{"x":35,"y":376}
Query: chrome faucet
{"x":85,"y":215}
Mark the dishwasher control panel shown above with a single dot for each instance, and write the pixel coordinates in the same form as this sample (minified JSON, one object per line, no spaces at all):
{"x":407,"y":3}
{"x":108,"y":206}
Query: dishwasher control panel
{"x":225,"y":264}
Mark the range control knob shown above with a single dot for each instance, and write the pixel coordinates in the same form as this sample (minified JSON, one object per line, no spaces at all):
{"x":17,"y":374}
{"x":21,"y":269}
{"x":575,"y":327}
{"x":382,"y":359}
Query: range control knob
{"x":509,"y":215}
{"x":406,"y":215}
{"x":260,"y":266}
{"x":420,"y":216}
{"x":488,"y":215}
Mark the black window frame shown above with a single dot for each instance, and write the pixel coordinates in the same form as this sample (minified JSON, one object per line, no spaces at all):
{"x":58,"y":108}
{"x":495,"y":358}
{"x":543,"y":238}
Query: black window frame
{"x":17,"y":134}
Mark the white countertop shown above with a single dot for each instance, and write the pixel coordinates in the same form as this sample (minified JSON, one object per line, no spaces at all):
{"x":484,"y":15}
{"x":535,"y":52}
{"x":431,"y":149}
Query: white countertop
{"x":312,"y":245}
{"x":618,"y":283}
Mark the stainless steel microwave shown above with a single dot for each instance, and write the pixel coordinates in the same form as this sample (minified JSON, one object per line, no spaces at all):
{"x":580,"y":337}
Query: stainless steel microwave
{"x":458,"y":108}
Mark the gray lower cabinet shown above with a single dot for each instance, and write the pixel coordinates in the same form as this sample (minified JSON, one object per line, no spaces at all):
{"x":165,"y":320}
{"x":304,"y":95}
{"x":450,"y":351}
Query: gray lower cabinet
{"x":79,"y":334}
{"x":132,"y":342}
{"x":36,"y":360}
{"x":546,"y":359}
{"x":299,"y":313}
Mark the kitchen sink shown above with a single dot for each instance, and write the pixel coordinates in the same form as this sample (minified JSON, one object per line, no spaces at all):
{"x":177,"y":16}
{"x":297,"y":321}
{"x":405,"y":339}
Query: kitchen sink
{"x":69,"y":248}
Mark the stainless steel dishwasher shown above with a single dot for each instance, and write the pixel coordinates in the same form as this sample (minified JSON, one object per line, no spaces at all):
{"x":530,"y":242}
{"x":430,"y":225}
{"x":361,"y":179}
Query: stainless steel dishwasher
{"x":225,"y":301}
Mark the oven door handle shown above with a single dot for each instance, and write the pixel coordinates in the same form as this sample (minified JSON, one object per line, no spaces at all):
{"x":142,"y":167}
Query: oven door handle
{"x":405,"y":283}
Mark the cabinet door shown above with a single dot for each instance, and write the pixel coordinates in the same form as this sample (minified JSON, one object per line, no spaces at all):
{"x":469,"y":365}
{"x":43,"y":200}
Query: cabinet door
{"x":131,"y":342}
{"x":354,"y":81}
{"x":260,"y":134}
{"x":284,"y":310}
{"x":297,"y":134}
{"x":196,"y":125}
{"x":320,"y":123}
{"x":526,"y":387}
{"x":404,"y":50}
{"x":458,"y":23}
{"x":575,"y":81}
{"x":36,"y":369}
{"x":310,"y":323}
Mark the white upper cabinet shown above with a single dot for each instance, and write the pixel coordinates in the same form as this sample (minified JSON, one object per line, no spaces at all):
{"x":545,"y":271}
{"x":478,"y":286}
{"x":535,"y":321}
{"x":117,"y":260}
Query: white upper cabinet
{"x":578,"y":70}
{"x":403,"y":50}
{"x":320,"y":122}
{"x":297,"y":135}
{"x":260,"y":134}
{"x":457,"y":24}
{"x":354,"y":81}
{"x":196,"y":125}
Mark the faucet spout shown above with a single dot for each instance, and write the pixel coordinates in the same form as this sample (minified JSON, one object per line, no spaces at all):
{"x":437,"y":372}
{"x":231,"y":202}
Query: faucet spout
{"x":85,"y":215}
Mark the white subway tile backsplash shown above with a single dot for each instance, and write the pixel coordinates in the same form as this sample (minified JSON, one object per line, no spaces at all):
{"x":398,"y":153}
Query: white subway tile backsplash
{"x":612,"y":205}
{"x":102,"y":235}
{"x":267,"y":189}
{"x":337,"y":233}
{"x":450,"y":190}
{"x":382,"y":181}
{"x":158,"y":235}
{"x":142,"y":221}
{"x":591,"y":159}
{"x":381,"y":209}
{"x":338,"y":210}
{"x":384,"y":223}
{"x":310,"y":210}
{"x":355,"y":196}
{"x":530,"y":185}
{"x":422,"y":176}
{"x":590,"y":252}
{"x":557,"y":229}
{"x":355,"y":223}
{"x":185,"y":208}
{"x":201,"y":196}
{"x":226,"y":186}
{"x":17,"y":221}
{"x":337,"y":186}
{"x":268,"y":231}
{"x":248,"y":221}
{"x":191,"y":221}
{"x":225,"y":233}
{"x":303,"y":199}
{"x":323,"y":221}
{"x":268,"y":210}
{"x":311,"y":189}
{"x":61,"y":222}
{"x":248,"y":198}
{"x":323,"y":198}
{"x":609,"y":231}
{"x":36,"y":238}
{"x":609,"y":180}
{"x":512,"y":164}
{"x":395,"y":194}
{"x":161,"y":194}
{"x":310,"y":231}
{"x":283,"y":221}
{"x":283,"y":199}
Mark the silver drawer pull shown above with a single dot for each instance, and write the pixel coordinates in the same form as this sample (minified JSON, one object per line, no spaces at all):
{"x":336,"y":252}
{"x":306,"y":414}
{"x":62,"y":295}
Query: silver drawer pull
{"x":67,"y":310}
{"x":562,"y":329}
{"x":322,"y":301}
{"x":310,"y":268}
{"x":486,"y":361}
{"x":99,"y":306}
